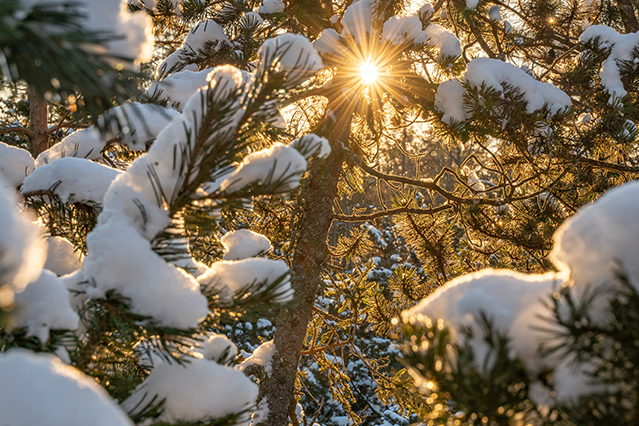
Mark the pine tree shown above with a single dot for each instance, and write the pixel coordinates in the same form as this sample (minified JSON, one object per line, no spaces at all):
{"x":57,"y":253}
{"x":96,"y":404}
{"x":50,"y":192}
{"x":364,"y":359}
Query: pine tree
{"x":503,"y":159}
{"x":140,"y":313}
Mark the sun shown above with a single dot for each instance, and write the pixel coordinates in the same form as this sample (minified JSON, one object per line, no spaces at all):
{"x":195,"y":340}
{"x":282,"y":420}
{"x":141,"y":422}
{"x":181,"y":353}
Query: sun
{"x":368,"y":72}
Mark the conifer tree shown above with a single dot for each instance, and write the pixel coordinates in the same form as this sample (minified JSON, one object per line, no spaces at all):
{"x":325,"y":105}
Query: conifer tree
{"x":519,"y":129}
{"x":140,"y":311}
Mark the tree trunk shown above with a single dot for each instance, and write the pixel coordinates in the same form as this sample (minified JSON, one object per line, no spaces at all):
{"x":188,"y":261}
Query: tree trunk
{"x":316,"y":202}
{"x":627,"y":12}
{"x":38,"y":122}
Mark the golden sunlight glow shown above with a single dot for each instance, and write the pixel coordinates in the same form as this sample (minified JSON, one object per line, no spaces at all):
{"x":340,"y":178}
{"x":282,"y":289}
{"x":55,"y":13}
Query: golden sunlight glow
{"x":368,"y":72}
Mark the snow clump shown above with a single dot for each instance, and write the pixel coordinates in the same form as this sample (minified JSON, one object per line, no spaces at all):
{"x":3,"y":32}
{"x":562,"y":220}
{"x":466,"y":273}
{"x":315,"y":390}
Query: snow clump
{"x":290,"y":54}
{"x":42,"y":306}
{"x":518,"y":303}
{"x":357,"y":21}
{"x":403,"y":29}
{"x":22,"y":251}
{"x":214,"y":346}
{"x":329,"y":43}
{"x":502,"y":295}
{"x":444,"y":41}
{"x":262,"y":356}
{"x":621,"y":47}
{"x":63,"y":395}
{"x":278,"y":164}
{"x":491,"y":72}
{"x":271,"y":6}
{"x":198,"y":391}
{"x":179,"y":87}
{"x":311,"y":144}
{"x":228,"y":278}
{"x":83,"y":143}
{"x":72,"y":180}
{"x":15,"y":164}
{"x":205,"y":32}
{"x":609,"y":224}
{"x":131,"y":124}
{"x":471,"y":4}
{"x":244,"y":243}
{"x":62,"y":257}
{"x":494,"y":13}
{"x":133,"y":37}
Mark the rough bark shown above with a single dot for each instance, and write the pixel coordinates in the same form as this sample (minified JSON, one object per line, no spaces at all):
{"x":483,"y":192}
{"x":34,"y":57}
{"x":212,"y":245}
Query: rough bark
{"x":38,"y":122}
{"x":316,"y":203}
{"x":627,"y":12}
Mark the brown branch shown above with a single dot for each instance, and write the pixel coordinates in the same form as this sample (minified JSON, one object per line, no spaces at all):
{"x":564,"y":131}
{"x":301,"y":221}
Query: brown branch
{"x":385,"y":213}
{"x":328,"y":347}
{"x":606,"y":166}
{"x":30,"y":133}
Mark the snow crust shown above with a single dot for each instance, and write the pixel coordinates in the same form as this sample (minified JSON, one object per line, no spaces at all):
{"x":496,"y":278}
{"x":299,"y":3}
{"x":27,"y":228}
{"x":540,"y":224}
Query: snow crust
{"x":62,"y":258}
{"x":72,"y":179}
{"x":271,"y":6}
{"x":244,"y":243}
{"x":15,"y":164}
{"x":198,"y":391}
{"x":491,"y":72}
{"x":621,"y":48}
{"x":44,"y":305}
{"x":64,"y":396}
